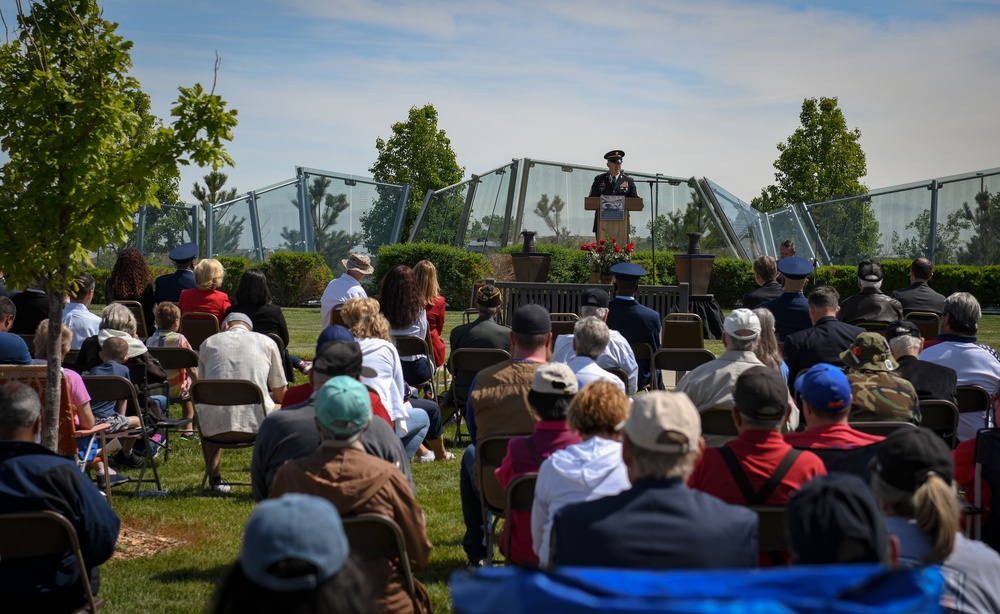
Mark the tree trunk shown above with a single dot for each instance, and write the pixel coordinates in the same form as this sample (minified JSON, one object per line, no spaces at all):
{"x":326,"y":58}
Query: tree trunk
{"x":53,"y":374}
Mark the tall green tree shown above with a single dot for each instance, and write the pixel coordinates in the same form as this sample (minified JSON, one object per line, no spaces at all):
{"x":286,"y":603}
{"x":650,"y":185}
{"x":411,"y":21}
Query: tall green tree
{"x":917,"y":241}
{"x":324,"y":210}
{"x":984,"y":221}
{"x":417,"y":153}
{"x":81,"y":159}
{"x":671,"y":230}
{"x":227,"y":228}
{"x":823,"y":160}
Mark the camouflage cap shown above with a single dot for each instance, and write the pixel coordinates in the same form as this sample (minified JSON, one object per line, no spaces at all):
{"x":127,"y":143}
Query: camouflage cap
{"x":869,"y":351}
{"x":877,"y":395}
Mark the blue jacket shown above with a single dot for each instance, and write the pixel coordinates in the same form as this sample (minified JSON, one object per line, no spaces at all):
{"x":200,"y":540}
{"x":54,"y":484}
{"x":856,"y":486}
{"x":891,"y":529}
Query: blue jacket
{"x":168,"y":287}
{"x":638,"y":324}
{"x":823,"y":342}
{"x":32,"y":478}
{"x":791,"y":313}
{"x":656,"y":524}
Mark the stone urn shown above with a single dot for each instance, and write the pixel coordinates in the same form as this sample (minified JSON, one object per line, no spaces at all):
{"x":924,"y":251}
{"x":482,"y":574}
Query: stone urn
{"x":694,"y":267}
{"x":529,"y":265}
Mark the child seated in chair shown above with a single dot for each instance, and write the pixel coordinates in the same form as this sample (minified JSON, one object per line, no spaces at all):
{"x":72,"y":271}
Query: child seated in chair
{"x":114,"y":353}
{"x":168,"y":322}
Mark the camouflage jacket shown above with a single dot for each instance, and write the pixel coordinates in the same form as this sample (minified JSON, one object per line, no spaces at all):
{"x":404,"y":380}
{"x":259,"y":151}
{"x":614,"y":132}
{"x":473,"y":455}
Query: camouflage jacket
{"x":879,"y":395}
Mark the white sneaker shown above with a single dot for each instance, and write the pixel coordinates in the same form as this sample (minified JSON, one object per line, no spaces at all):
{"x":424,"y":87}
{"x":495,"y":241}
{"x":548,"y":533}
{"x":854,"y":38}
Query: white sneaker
{"x":219,"y":485}
{"x":427,"y":458}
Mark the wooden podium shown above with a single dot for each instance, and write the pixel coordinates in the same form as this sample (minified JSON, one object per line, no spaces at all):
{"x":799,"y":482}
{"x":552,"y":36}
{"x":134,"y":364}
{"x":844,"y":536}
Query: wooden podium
{"x":612,"y":221}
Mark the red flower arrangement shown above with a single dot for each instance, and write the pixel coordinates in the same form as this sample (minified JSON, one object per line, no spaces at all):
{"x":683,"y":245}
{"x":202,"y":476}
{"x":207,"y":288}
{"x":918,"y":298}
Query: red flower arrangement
{"x":604,"y":254}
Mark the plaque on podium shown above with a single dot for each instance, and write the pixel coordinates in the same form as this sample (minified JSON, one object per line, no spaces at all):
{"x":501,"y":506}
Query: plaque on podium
{"x":613,"y":215}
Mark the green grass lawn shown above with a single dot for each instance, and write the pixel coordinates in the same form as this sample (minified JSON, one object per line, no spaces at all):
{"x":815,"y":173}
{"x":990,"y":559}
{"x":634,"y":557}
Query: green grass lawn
{"x":210,"y":528}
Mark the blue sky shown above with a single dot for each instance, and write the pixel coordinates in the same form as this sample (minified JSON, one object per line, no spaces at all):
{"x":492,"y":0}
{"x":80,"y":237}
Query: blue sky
{"x":698,"y":87}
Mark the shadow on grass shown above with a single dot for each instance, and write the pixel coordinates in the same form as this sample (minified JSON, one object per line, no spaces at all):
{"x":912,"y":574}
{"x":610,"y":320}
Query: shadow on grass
{"x":193,"y":574}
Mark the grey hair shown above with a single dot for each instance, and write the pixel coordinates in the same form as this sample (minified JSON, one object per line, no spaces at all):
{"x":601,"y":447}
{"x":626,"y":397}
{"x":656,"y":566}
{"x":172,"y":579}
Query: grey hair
{"x":963,"y":312}
{"x":19,"y":406}
{"x":589,"y":310}
{"x":591,"y":336}
{"x":487,"y":311}
{"x":7,"y":307}
{"x":870,"y":284}
{"x":905,"y":345}
{"x":118,"y":317}
{"x":661,"y":465}
{"x":741,"y":345}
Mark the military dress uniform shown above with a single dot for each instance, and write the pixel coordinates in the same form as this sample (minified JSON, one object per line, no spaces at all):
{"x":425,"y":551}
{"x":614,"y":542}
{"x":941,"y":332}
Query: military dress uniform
{"x":790,"y":309}
{"x":606,"y":185}
{"x":637,"y":323}
{"x":168,"y":287}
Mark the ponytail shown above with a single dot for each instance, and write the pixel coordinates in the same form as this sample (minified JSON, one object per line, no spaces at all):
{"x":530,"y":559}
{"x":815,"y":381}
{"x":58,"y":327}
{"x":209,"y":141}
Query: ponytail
{"x":936,"y":512}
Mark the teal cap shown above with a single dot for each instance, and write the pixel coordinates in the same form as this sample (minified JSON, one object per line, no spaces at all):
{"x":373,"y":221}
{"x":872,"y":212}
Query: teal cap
{"x":343,"y":406}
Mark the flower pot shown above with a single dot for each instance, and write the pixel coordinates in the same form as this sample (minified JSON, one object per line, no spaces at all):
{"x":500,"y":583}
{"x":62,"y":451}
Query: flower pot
{"x":531,"y":266}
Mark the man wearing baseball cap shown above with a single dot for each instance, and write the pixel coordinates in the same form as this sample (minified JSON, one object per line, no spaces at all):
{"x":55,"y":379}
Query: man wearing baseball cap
{"x":348,"y":285}
{"x":826,"y":405}
{"x":357,"y":483}
{"x":617,"y":354}
{"x":878,"y":394}
{"x":481,"y":333}
{"x":498,"y":405}
{"x":871,"y":305}
{"x":758,"y":467}
{"x":929,"y":379}
{"x":659,"y":523}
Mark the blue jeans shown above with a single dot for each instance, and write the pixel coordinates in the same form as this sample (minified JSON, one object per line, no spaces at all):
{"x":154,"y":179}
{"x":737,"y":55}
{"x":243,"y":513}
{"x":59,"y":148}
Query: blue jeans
{"x":474,"y":540}
{"x":417,"y":425}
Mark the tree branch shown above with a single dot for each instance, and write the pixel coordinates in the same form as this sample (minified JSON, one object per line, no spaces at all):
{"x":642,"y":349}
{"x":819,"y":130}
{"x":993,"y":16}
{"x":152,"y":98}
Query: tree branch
{"x":215,"y":72}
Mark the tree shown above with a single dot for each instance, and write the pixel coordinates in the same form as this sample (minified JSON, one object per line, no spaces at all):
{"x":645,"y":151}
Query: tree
{"x":672,"y":229}
{"x":551,"y":214}
{"x":417,"y":153}
{"x":984,"y":220}
{"x":917,"y":242}
{"x":823,"y":160}
{"x":81,"y":160}
{"x":324,"y":210}
{"x":488,"y":229}
{"x":226,"y":233}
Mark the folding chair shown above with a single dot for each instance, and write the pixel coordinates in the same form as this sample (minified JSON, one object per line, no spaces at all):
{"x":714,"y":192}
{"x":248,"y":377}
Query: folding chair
{"x":469,"y":361}
{"x":681,"y":360}
{"x":882,"y":428}
{"x":644,"y":351}
{"x":25,"y":535}
{"x":941,"y":417}
{"x":871,"y":326}
{"x":771,"y":527}
{"x":717,"y":426}
{"x":974,"y":399}
{"x":375,"y":536}
{"x":415,"y":346}
{"x":682,"y":330}
{"x":851,"y":460}
{"x":336,"y":318}
{"x":69,"y":436}
{"x":519,"y":497}
{"x":619,"y":373}
{"x":198,"y":326}
{"x":117,"y":388}
{"x":172,"y":359}
{"x":141,"y":329}
{"x":988,"y":470}
{"x":490,"y":452}
{"x":224,"y":393}
{"x":928,"y":322}
{"x":561,"y":327}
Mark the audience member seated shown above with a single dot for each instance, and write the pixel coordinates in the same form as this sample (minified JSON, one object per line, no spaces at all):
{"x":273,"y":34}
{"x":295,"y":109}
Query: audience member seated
{"x":291,"y":432}
{"x":295,"y":558}
{"x":498,"y":405}
{"x":114,"y":353}
{"x":835,"y":519}
{"x":876,"y":392}
{"x":791,"y":309}
{"x":347,"y":286}
{"x":169,"y":287}
{"x":765,"y":273}
{"x":918,"y":296}
{"x":930,"y":380}
{"x":912,"y":480}
{"x":206,"y":296}
{"x":552,"y":389}
{"x":659,"y":523}
{"x":636,"y":323}
{"x":871,"y":305}
{"x":32,"y":479}
{"x":825,"y":340}
{"x":758,"y":467}
{"x":167,"y":318}
{"x":590,"y":340}
{"x":13,"y":349}
{"x":975,"y":364}
{"x":402,"y":305}
{"x":31,"y":306}
{"x":585,"y":471}
{"x":768,"y":350}
{"x":129,"y":280}
{"x":434,"y":305}
{"x":481,"y":333}
{"x":76,"y":313}
{"x":237,"y":353}
{"x":358,"y":483}
{"x":618,"y":353}
{"x":826,"y":405}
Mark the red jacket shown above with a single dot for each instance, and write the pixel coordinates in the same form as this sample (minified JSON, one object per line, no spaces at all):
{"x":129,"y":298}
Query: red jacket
{"x":212,"y":301}
{"x":435,"y":324}
{"x":301,"y":393}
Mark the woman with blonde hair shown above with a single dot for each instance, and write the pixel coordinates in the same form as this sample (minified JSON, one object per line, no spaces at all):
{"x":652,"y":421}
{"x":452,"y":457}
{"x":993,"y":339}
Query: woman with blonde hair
{"x":206,"y":296}
{"x":585,"y":471}
{"x":768,"y":349}
{"x":912,"y":480}
{"x":430,"y":293}
{"x":415,"y":419}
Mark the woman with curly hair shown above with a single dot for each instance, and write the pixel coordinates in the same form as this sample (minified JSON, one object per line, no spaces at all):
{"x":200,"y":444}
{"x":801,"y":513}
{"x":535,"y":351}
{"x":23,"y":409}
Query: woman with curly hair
{"x":430,"y":293}
{"x":403,"y":306}
{"x":130,"y":280}
{"x":585,"y":471}
{"x":206,"y":296}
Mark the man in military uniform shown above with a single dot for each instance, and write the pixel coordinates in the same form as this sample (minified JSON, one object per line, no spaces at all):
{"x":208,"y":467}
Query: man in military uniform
{"x":637,"y":323}
{"x":791,"y":309}
{"x":824,"y":341}
{"x":168,"y":287}
{"x":613,"y":182}
{"x":871,"y":305}
{"x":878,"y":394}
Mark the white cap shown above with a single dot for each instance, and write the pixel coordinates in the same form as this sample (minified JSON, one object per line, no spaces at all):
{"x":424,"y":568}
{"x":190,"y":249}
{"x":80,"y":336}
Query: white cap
{"x":742,"y":324}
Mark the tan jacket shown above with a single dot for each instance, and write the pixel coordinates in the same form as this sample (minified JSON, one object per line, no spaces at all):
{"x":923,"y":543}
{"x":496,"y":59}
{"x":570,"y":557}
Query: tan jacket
{"x":500,"y":400}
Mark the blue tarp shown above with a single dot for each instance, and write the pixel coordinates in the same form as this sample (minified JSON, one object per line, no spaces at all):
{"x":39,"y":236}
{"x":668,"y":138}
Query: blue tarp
{"x":841,"y":589}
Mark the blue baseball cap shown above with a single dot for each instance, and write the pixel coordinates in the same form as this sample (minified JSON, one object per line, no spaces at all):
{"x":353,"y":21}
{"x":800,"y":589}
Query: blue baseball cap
{"x":295,"y":526}
{"x":825,"y":388}
{"x":627,"y":271}
{"x":184,"y":252}
{"x":335,"y":332}
{"x":795,"y":267}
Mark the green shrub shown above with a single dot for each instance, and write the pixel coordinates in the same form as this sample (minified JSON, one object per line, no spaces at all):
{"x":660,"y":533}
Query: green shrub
{"x":457,"y":269}
{"x":566,"y":266}
{"x":100,"y":284}
{"x":731,"y":279}
{"x":234,"y":266}
{"x":295,"y":277}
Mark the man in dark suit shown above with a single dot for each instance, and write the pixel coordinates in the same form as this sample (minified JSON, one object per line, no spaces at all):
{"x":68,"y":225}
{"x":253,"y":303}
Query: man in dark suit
{"x":870,"y":305}
{"x":765,"y":272}
{"x":613,"y":182}
{"x":32,"y":307}
{"x":931,"y":380}
{"x":918,"y":296}
{"x":168,"y":287}
{"x":791,"y":309}
{"x":637,"y":323}
{"x":825,"y":340}
{"x":482,"y":333}
{"x":659,"y":523}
